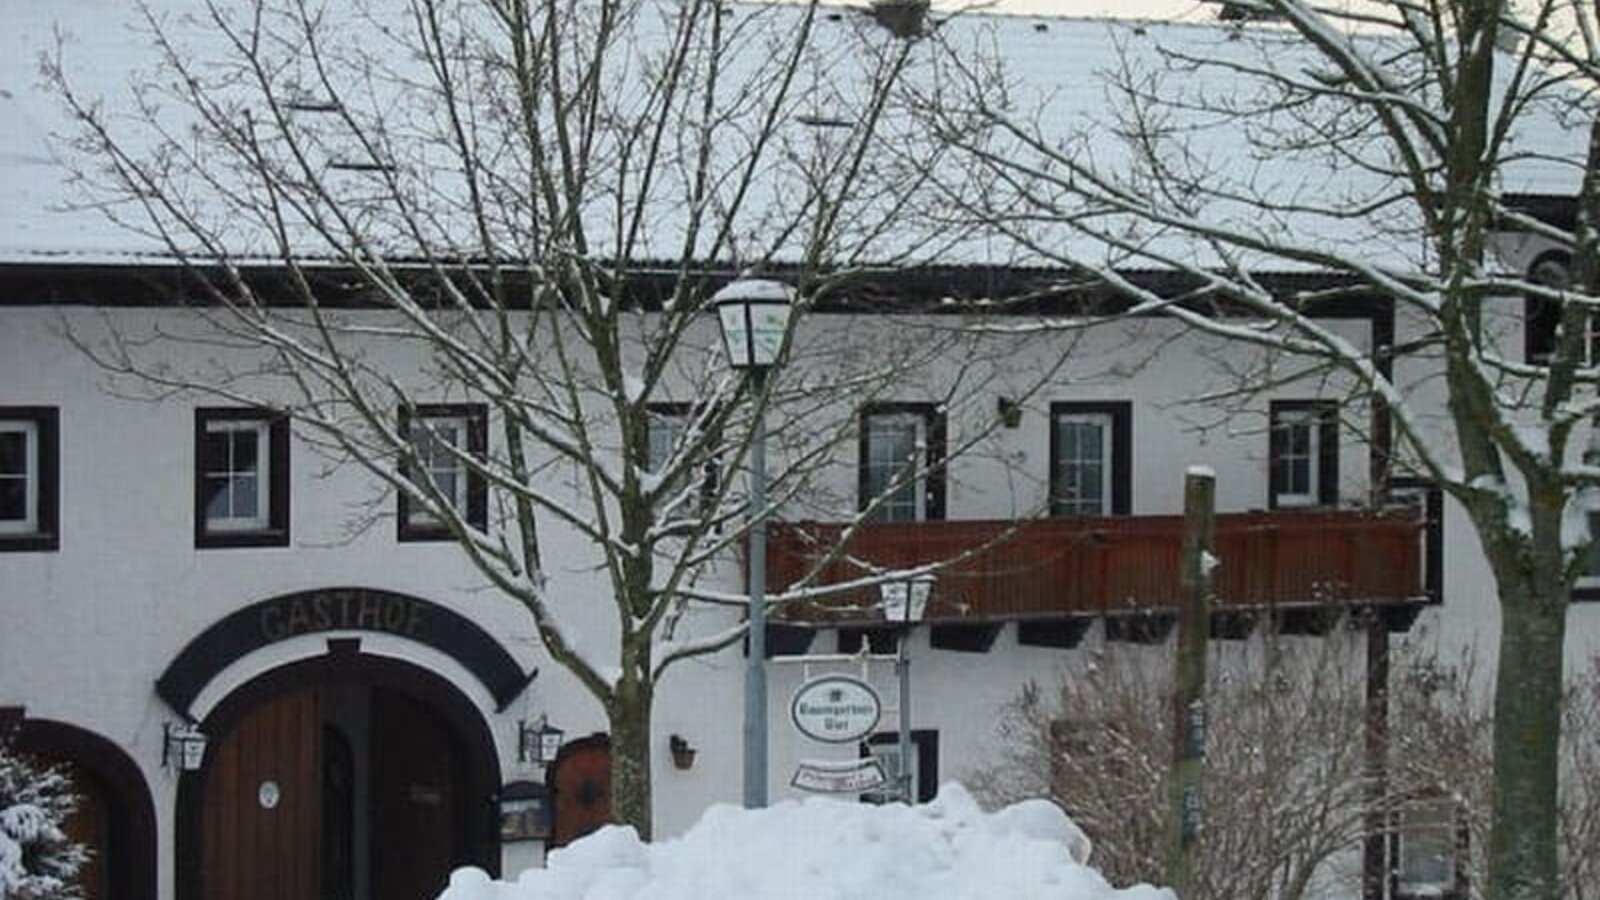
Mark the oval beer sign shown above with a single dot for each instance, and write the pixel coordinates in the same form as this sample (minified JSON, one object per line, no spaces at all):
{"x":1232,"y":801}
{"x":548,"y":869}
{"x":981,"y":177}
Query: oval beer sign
{"x":836,"y":709}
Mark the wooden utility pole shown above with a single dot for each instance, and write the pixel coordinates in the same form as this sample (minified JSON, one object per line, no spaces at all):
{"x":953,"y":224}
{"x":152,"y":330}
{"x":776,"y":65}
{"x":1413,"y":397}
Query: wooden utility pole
{"x":1189,"y":678}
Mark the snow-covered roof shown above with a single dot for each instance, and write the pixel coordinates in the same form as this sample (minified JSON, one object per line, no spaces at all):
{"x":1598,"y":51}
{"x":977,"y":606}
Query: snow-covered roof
{"x":1057,"y":73}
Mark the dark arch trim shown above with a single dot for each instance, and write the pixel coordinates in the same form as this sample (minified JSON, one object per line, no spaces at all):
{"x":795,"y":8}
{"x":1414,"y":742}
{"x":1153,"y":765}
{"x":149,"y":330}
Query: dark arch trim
{"x":481,"y":763}
{"x":340,"y":609}
{"x":132,"y":869}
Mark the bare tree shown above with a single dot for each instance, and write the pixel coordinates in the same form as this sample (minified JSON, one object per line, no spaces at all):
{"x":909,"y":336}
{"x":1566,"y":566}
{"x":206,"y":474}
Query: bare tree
{"x":1284,"y":773}
{"x":1286,"y":783}
{"x":1378,"y":144}
{"x":527,"y":206}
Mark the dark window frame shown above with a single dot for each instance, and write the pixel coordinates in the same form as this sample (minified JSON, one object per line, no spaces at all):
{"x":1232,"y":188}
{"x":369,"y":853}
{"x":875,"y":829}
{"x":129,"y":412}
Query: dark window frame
{"x":476,"y":416}
{"x":1326,"y":416}
{"x":933,"y":476}
{"x":1121,"y":459}
{"x":1426,"y":496}
{"x":46,"y":533}
{"x":276,"y":532}
{"x":1541,"y":318}
{"x":925,"y":745}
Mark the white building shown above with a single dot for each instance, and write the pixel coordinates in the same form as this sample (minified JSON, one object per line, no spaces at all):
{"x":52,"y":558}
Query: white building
{"x":367,"y":698}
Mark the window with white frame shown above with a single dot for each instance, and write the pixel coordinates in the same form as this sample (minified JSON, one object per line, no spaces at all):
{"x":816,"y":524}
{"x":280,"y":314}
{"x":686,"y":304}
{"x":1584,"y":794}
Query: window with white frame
{"x":1304,"y":453}
{"x":1428,"y":843}
{"x":28,"y":484}
{"x":19,"y":476}
{"x":1090,"y":455}
{"x":241,"y":478}
{"x":901,"y":445}
{"x":446,"y":441}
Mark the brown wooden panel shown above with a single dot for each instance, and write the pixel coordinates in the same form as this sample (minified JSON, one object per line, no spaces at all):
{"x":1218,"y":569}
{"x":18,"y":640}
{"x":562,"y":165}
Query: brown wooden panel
{"x":1000,"y":570}
{"x":418,"y":800}
{"x":581,"y":783}
{"x":249,"y":851}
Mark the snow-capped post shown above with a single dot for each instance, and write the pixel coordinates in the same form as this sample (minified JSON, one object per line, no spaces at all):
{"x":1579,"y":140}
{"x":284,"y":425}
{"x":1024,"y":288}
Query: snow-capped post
{"x":754,"y":315}
{"x":1189,"y":676}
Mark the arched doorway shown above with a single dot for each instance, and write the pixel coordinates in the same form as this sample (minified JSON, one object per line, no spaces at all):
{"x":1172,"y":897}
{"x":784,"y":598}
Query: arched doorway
{"x":115,"y":819}
{"x":580,"y":788}
{"x":347,"y":777}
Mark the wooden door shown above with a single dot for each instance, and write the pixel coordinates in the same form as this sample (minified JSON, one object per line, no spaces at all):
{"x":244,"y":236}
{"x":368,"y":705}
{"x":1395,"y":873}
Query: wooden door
{"x":261,"y":813}
{"x":582,"y":788}
{"x":417,"y":800}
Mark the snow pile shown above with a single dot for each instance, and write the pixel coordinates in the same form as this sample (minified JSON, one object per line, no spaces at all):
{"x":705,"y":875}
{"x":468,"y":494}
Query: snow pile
{"x":827,"y":849}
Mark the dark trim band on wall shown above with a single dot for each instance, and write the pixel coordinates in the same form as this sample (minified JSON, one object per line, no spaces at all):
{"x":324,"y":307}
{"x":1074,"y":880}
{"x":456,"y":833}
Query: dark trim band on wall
{"x":341,"y":609}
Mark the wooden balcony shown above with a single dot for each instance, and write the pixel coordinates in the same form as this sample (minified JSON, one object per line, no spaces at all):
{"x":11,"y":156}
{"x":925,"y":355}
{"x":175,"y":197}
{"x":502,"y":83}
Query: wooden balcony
{"x":1065,"y":568}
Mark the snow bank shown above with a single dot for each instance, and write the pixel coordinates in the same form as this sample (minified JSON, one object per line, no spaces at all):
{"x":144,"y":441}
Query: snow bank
{"x":827,"y":849}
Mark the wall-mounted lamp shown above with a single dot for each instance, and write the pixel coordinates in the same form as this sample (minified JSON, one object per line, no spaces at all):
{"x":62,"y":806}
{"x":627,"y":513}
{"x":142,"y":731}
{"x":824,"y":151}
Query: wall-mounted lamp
{"x":539,"y":742}
{"x":1010,"y":412}
{"x":682,"y":753}
{"x":183,"y":746}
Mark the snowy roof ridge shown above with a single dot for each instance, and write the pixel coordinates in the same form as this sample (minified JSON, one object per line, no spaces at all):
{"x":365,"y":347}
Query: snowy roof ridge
{"x":1055,"y":55}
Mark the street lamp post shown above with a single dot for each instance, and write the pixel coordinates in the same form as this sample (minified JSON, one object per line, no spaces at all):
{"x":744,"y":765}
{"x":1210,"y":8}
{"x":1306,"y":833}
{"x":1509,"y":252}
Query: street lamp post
{"x":905,"y":602}
{"x":754,"y":315}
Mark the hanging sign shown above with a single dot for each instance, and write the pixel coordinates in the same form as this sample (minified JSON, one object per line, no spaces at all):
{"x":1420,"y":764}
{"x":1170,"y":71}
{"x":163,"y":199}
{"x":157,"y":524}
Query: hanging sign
{"x":851,"y":777}
{"x":836,"y":709}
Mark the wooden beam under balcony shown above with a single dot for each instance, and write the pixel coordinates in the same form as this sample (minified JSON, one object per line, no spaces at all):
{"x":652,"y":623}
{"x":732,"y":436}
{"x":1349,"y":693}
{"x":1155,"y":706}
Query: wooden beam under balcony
{"x":1048,"y":569}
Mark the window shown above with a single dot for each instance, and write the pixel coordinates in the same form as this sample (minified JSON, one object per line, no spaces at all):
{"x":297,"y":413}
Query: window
{"x":241,"y":478}
{"x":1542,"y":316}
{"x":1427,"y":499}
{"x":29,"y":456}
{"x":444,"y":442}
{"x":1429,"y":840}
{"x":902,"y":445}
{"x":667,"y":424}
{"x":1090,"y":459}
{"x":1588,"y":586}
{"x":1304,"y":453}
{"x":885,"y":747}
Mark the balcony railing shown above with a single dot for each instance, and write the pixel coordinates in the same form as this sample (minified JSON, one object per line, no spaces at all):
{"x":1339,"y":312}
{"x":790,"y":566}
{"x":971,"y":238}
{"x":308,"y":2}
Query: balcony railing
{"x":1052,"y":568}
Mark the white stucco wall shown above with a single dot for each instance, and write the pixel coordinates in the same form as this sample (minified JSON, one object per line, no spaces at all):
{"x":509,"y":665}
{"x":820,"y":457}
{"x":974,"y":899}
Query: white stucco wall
{"x":89,"y":627}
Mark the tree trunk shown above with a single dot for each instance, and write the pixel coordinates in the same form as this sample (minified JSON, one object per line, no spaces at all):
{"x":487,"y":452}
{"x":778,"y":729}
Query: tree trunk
{"x":1527,"y":709}
{"x":629,"y":713}
{"x":1531,"y":573}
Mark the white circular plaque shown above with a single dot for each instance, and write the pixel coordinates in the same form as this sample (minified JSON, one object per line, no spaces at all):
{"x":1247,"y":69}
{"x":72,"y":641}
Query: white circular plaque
{"x":836,"y":709}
